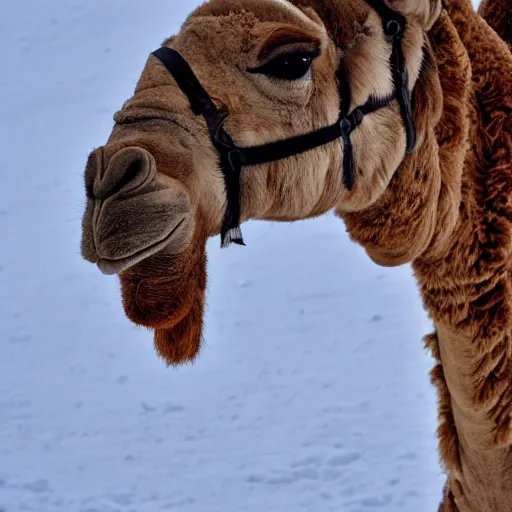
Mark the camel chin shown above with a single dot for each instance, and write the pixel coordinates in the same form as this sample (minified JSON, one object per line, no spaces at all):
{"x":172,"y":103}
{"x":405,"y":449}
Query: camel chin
{"x":133,"y":212}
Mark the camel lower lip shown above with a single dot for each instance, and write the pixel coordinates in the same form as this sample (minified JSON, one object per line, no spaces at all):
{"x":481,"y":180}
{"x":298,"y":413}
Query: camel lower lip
{"x":115,"y":266}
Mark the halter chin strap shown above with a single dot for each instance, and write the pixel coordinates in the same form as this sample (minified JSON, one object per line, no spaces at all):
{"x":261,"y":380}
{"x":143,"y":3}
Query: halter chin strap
{"x":233,"y":159}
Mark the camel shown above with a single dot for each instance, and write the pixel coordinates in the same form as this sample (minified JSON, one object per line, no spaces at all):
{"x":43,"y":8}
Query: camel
{"x":397,"y":114}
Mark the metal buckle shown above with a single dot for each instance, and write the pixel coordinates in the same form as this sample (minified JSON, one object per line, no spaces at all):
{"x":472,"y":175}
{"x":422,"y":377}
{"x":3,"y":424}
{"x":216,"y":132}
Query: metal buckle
{"x":393,"y":28}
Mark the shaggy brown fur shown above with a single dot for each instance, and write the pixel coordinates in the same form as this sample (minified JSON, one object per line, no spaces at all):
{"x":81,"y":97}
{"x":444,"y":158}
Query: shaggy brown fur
{"x":465,"y":281}
{"x":447,"y":207}
{"x":498,"y":14}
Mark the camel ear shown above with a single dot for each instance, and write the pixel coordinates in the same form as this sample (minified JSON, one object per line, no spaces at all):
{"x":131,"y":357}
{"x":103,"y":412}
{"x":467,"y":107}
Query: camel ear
{"x":417,"y":213}
{"x":426,"y":11}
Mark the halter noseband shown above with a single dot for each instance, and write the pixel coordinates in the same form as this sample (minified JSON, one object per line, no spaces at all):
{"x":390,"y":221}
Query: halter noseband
{"x":233,"y":158}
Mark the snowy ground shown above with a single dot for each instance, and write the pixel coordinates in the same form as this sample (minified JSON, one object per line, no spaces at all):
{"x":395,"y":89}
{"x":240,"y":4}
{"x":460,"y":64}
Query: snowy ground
{"x":312,"y":393}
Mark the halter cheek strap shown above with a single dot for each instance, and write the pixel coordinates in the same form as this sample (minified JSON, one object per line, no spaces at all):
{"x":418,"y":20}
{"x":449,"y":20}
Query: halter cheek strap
{"x":232,"y":159}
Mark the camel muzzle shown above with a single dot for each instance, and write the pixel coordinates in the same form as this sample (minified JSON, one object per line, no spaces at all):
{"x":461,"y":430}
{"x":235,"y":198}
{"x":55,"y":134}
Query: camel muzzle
{"x":132,"y":211}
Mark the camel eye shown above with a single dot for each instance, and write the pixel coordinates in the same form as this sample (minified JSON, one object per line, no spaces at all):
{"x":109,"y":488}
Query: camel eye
{"x":292,"y":66}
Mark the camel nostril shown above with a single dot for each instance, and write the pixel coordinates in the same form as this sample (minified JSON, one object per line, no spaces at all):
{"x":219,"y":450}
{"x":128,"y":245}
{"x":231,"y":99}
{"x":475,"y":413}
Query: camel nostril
{"x":128,"y":169}
{"x":93,"y":167}
{"x":134,"y":171}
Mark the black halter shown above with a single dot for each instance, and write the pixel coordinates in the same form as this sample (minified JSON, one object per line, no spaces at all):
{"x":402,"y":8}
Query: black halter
{"x":233,"y":159}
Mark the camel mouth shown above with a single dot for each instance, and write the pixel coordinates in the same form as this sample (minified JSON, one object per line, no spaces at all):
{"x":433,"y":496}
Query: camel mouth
{"x":132,"y":211}
{"x":112,"y":266}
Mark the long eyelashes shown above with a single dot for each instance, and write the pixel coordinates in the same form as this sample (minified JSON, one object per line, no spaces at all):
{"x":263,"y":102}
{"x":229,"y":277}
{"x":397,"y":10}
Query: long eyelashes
{"x":291,"y":66}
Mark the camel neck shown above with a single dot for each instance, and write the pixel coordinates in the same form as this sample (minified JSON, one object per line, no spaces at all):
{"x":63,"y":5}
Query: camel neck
{"x":475,"y":433}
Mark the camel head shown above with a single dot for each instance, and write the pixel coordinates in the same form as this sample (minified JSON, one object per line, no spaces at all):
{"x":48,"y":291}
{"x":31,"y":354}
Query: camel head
{"x":257,"y":109}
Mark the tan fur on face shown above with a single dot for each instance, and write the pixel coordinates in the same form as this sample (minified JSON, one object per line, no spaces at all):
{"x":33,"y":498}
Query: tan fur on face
{"x":366,"y":53}
{"x":263,"y":110}
{"x":230,"y":34}
{"x":368,"y":65}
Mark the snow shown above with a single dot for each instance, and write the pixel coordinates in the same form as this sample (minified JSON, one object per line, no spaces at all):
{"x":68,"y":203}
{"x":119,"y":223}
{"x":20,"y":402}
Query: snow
{"x":312,"y":391}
